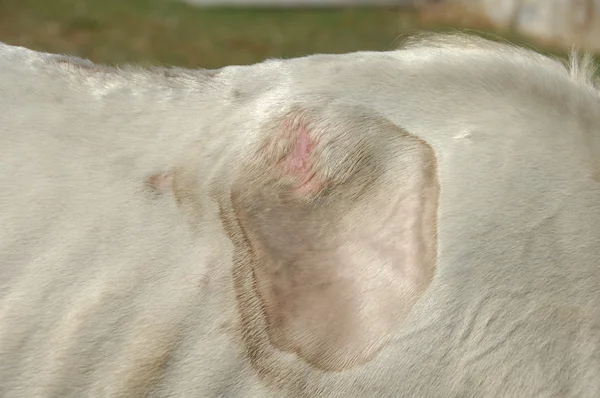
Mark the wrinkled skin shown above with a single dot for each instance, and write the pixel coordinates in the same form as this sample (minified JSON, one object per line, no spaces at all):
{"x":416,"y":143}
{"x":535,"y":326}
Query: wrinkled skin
{"x":423,"y":222}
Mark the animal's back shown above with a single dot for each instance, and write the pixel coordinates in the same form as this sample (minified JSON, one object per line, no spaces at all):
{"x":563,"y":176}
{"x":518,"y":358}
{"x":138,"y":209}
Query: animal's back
{"x":118,"y":279}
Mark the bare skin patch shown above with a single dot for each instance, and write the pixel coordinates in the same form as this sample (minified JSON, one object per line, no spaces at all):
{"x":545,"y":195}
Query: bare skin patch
{"x":161,"y":182}
{"x":293,"y":149}
{"x":299,"y":161}
{"x":331,"y":275}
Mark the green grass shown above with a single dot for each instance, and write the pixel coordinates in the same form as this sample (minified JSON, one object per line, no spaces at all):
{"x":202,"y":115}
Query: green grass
{"x":170,"y":33}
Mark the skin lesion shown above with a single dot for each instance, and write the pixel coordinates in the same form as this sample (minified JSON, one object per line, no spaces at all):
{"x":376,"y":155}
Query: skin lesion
{"x":292,"y":149}
{"x":299,"y":162}
{"x":161,"y":182}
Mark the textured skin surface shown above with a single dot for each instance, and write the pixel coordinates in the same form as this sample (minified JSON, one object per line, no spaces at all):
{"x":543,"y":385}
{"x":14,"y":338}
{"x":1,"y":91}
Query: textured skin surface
{"x":421,"y":222}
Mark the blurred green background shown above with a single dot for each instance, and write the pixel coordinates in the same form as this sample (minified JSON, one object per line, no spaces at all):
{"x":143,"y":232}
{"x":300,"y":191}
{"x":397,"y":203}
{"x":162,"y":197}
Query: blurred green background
{"x":171,"y":33}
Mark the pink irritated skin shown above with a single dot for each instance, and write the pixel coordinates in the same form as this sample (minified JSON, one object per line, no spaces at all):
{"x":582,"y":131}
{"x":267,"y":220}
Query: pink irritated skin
{"x":299,"y":161}
{"x":161,"y":181}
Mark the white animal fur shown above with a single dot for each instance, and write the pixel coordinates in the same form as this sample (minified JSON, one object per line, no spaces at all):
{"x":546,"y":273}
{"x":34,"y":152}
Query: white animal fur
{"x":116,"y":276}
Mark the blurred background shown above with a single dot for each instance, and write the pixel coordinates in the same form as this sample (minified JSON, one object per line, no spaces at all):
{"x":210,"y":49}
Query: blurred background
{"x":214,"y":33}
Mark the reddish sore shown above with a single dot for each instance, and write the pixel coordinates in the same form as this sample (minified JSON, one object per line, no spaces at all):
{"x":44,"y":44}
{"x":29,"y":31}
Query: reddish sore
{"x":299,"y":162}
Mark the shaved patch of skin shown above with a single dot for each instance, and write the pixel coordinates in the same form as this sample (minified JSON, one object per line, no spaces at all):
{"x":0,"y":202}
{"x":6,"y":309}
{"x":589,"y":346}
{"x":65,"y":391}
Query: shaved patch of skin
{"x":309,"y":287}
